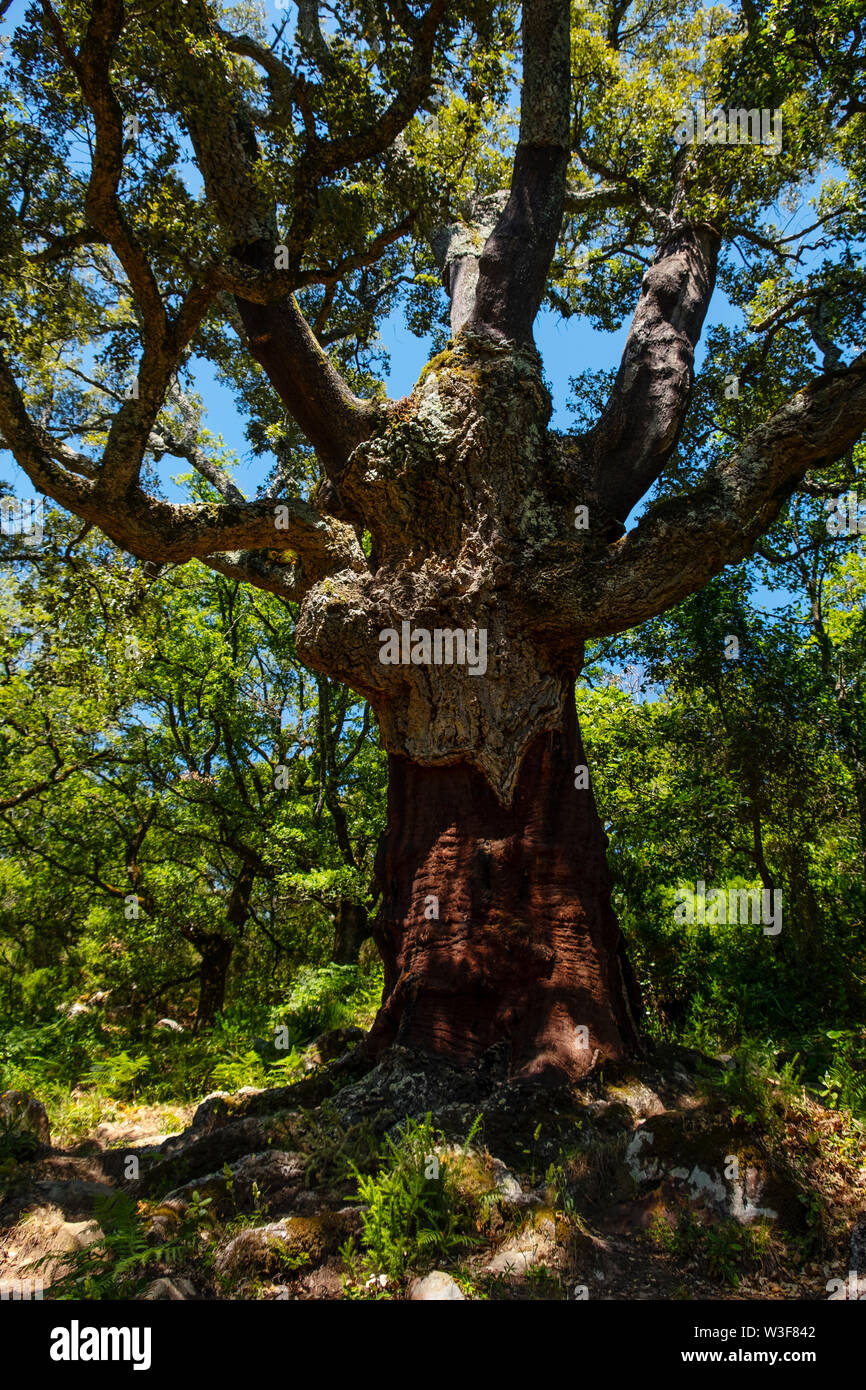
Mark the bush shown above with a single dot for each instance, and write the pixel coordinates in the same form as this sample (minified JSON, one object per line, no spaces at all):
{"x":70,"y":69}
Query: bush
{"x":415,"y":1215}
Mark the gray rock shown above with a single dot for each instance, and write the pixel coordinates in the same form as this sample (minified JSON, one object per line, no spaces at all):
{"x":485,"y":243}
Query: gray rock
{"x":698,"y":1167}
{"x":169,"y":1025}
{"x":336,"y":1041}
{"x":211,"y":1110}
{"x":75,"y":1194}
{"x":277,"y":1176}
{"x":78,"y":1235}
{"x":508,"y":1189}
{"x":220,"y":1106}
{"x":535,"y":1245}
{"x":435,"y":1287}
{"x":175,"y":1290}
{"x":23,"y":1116}
{"x":640,"y":1099}
{"x":301,"y":1242}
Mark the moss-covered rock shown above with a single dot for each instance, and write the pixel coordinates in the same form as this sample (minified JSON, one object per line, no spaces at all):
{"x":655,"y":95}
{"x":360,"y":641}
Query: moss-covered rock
{"x":273,"y":1178}
{"x":297,"y":1242}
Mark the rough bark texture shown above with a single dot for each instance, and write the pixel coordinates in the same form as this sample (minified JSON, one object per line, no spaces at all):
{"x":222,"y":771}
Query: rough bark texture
{"x":459,"y":489}
{"x":516,"y":257}
{"x":216,"y":955}
{"x":655,"y":377}
{"x":526,"y":947}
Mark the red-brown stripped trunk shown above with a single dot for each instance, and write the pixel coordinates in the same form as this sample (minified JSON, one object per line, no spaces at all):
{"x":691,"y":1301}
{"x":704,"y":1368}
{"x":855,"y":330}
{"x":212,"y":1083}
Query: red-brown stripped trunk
{"x":526,"y":947}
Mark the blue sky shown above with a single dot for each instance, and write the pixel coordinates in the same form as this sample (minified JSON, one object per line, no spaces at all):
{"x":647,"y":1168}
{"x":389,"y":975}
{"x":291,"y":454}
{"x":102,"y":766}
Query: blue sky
{"x":566,"y":348}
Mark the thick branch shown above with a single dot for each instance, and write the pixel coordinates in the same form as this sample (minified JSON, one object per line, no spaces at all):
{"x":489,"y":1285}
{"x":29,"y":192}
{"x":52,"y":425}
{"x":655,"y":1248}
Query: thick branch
{"x":35,"y":450}
{"x":334,"y":420}
{"x":280,"y":339}
{"x":186,"y":447}
{"x":253,"y":567}
{"x":269,"y":284}
{"x":323,"y":158}
{"x":282,"y":83}
{"x":516,"y":258}
{"x":580,"y":201}
{"x":458,"y":248}
{"x":92,"y":68}
{"x":163,"y":340}
{"x":62,"y":246}
{"x":162,"y":531}
{"x":58,"y":775}
{"x":680,"y":543}
{"x":638,"y":428}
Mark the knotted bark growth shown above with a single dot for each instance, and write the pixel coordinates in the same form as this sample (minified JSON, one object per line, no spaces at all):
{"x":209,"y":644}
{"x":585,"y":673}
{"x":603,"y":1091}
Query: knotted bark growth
{"x":458,"y":490}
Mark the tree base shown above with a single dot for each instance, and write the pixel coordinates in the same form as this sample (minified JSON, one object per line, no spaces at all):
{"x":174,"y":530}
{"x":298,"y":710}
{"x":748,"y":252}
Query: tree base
{"x":496,"y":924}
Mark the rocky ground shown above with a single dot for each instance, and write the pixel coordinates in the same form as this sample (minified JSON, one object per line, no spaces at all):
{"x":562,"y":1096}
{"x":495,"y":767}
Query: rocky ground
{"x":676,"y":1178}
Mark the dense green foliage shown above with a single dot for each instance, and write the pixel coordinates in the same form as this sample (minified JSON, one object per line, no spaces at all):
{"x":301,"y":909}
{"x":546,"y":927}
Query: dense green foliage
{"x":144,"y":724}
{"x":185,"y":812}
{"x":741,"y":765}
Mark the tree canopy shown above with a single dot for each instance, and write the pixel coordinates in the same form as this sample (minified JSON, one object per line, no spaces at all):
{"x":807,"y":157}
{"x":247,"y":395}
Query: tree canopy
{"x":181,"y":179}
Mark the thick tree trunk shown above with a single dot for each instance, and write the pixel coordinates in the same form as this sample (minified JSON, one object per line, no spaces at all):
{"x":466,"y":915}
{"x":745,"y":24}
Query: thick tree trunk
{"x":351,"y":930}
{"x":525,"y":946}
{"x":216,"y":955}
{"x":496,"y":923}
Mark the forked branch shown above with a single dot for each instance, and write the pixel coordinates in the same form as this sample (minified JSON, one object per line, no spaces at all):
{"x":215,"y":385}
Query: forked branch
{"x":680,"y":543}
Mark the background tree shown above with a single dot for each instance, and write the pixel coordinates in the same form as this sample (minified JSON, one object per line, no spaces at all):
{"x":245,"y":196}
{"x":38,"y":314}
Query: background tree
{"x":175,"y":791}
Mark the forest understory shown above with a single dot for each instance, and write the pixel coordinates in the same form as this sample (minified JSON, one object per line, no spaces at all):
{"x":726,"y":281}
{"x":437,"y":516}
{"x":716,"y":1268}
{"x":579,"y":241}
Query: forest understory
{"x":679,"y":1177}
